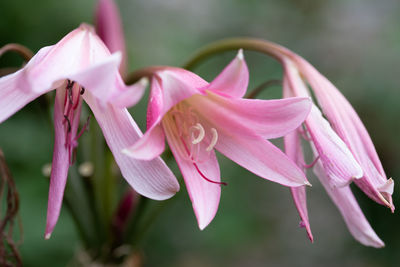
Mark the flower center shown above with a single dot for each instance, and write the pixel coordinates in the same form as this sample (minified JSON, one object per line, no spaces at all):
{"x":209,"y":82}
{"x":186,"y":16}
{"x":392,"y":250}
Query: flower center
{"x":71,"y":113}
{"x":197,"y":140}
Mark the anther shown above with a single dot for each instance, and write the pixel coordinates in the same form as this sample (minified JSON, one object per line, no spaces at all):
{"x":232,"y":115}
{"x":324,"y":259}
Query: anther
{"x":201,"y":135}
{"x":84,"y":128}
{"x":82,"y":90}
{"x":214,"y":139}
{"x":69,"y":123}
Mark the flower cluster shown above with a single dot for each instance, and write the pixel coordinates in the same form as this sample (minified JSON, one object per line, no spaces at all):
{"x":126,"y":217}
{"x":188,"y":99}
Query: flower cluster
{"x":198,"y":118}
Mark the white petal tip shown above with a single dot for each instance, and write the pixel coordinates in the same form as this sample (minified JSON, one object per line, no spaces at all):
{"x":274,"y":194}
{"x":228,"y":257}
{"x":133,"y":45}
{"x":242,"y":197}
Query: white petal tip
{"x":144,"y":82}
{"x":307,"y":183}
{"x":240,"y":55}
{"x":47,"y":236}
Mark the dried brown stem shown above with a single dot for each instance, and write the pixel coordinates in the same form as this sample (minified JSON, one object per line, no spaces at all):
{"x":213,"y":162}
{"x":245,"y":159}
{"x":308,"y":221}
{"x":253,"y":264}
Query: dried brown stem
{"x":9,"y":254}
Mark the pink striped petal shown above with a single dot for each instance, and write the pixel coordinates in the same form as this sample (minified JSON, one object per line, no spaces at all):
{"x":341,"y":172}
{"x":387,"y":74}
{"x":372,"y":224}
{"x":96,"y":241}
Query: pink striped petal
{"x":349,"y":127}
{"x":150,"y":146}
{"x":233,"y":80}
{"x":269,"y":118}
{"x":74,"y":53}
{"x":151,"y":178}
{"x":103,"y":81}
{"x":15,"y":90}
{"x":109,"y":28}
{"x":294,"y":151}
{"x":338,"y":162}
{"x":169,"y":87}
{"x":59,"y":168}
{"x":260,"y":157}
{"x":204,"y":195}
{"x":351,"y":212}
{"x":244,"y":146}
{"x":337,"y":159}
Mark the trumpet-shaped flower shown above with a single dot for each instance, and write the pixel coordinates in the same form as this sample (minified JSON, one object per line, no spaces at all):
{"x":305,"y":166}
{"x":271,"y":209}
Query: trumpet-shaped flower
{"x":198,"y":118}
{"x":80,"y":67}
{"x":343,"y":149}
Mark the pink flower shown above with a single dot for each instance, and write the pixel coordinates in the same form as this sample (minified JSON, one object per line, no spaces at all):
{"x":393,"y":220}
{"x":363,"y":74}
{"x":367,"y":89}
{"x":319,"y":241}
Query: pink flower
{"x":109,"y":28}
{"x":343,"y":149}
{"x":80,"y":67}
{"x":197,"y":118}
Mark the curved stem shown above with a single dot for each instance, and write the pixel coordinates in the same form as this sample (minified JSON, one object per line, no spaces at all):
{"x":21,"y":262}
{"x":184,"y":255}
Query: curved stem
{"x":135,"y":76}
{"x":25,"y":52}
{"x":274,"y":50}
{"x":261,"y":87}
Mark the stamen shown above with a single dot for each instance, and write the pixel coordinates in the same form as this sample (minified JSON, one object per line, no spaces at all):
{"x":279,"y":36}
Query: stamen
{"x":82,"y":90}
{"x":197,"y":167}
{"x":84,"y":128}
{"x":308,"y":166}
{"x":69,"y":123}
{"x":213,"y":140}
{"x":204,"y":177}
{"x":201,"y":135}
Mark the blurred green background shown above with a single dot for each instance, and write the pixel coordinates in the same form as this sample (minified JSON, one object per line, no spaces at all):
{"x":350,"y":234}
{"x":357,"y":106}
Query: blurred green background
{"x":355,"y":43}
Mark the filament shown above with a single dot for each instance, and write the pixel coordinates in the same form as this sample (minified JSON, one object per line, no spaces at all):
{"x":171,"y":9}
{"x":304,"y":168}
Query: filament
{"x":214,"y":140}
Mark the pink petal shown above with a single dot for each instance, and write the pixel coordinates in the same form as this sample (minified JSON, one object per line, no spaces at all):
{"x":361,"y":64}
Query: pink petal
{"x":349,"y":127}
{"x":338,"y":161}
{"x":128,"y":96}
{"x":59,"y":169}
{"x":294,"y":151}
{"x":260,"y":157}
{"x":109,"y":28}
{"x":152,"y":178}
{"x":78,"y":50}
{"x":150,"y":146}
{"x":103,"y":81}
{"x":244,"y":146}
{"x":204,"y":195}
{"x":233,"y":80}
{"x":351,"y":212}
{"x":169,"y":87}
{"x":269,"y":118}
{"x":15,"y":90}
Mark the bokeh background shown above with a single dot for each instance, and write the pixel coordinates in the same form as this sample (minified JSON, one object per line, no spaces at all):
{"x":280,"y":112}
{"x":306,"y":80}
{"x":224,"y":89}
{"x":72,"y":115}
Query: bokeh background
{"x":355,"y":43}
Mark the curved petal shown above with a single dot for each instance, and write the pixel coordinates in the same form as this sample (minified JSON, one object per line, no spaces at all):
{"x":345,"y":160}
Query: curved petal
{"x":15,"y":90}
{"x":350,"y":210}
{"x":150,"y":146}
{"x":294,"y":151}
{"x":268,"y":118}
{"x":109,"y":28}
{"x":337,"y":159}
{"x":152,"y":178}
{"x":204,"y":195}
{"x":338,"y":162}
{"x":169,"y":87}
{"x":350,"y":128}
{"x":104,"y":82}
{"x":233,"y":80}
{"x":244,"y":146}
{"x":59,"y":168}
{"x":78,"y":50}
{"x":128,"y":96}
{"x":260,"y":157}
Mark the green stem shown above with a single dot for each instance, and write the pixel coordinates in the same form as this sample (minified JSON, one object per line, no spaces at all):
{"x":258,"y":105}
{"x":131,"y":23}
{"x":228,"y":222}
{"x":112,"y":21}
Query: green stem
{"x":103,"y":182}
{"x":274,"y":50}
{"x":79,"y":205}
{"x":261,"y":87}
{"x":144,"y":72}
